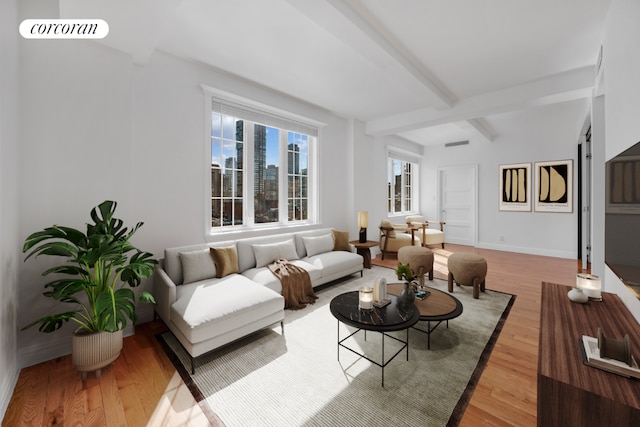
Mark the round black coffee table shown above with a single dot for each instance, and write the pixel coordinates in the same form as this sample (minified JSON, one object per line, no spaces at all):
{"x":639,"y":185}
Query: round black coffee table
{"x":392,"y":317}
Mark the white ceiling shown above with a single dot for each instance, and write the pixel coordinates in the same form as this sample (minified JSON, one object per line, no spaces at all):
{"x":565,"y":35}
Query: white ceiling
{"x":432,"y":71}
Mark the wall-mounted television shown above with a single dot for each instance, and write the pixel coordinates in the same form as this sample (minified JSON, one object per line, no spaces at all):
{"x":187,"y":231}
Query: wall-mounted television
{"x":622,"y":217}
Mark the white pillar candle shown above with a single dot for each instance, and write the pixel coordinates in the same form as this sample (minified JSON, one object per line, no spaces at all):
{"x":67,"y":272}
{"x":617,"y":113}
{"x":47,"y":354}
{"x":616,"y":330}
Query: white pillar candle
{"x":365,"y":298}
{"x":590,"y":285}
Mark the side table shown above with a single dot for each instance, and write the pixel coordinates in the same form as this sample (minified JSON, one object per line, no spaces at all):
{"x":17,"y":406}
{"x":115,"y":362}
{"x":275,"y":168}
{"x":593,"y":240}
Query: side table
{"x":364,"y":249}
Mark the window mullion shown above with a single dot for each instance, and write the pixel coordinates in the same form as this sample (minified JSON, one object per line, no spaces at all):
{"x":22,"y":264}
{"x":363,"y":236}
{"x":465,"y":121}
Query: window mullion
{"x":283,"y":179}
{"x":247,"y":178}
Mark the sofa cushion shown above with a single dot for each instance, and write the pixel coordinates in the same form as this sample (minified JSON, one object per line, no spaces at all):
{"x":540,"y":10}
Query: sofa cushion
{"x":341,"y":241}
{"x":197,"y":265}
{"x":213,"y":307}
{"x":302,"y":251}
{"x":334,"y":262}
{"x":226,"y":260}
{"x":246,"y":257}
{"x":318,"y":245}
{"x":265,"y":277}
{"x":267,"y":253}
{"x":172,"y":263}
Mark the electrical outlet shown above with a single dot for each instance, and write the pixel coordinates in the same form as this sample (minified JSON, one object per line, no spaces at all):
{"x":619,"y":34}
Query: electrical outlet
{"x":502,"y":238}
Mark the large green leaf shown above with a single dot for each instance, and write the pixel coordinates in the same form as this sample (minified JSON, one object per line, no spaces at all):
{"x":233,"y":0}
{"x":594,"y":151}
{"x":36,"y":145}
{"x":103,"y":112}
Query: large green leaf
{"x":73,"y":236}
{"x":140,"y":266}
{"x":52,"y":323}
{"x":113,"y":309}
{"x":64,"y":289}
{"x":72,"y":270}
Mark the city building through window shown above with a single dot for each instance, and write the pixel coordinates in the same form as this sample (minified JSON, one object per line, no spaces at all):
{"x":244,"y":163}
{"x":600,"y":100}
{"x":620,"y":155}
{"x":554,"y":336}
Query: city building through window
{"x":261,"y":168}
{"x":402,"y":183}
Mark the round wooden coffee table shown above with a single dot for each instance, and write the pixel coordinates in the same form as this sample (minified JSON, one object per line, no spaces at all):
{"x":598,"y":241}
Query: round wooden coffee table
{"x":439,"y":306}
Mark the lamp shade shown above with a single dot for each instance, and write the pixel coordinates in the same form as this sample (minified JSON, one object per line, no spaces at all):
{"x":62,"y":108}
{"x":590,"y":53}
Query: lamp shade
{"x":590,"y":285}
{"x":363,"y":219}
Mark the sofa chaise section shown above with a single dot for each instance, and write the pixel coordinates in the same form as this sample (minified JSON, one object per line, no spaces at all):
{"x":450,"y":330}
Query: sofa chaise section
{"x":205,"y":312}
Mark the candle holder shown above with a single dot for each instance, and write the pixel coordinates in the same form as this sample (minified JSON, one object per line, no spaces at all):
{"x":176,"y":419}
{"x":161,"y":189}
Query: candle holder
{"x":365,"y":298}
{"x":590,"y":285}
{"x":380,"y":298}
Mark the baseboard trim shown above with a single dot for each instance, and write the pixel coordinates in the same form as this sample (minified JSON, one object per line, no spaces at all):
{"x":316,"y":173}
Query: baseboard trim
{"x":529,"y":251}
{"x":8,"y":385}
{"x":38,"y":353}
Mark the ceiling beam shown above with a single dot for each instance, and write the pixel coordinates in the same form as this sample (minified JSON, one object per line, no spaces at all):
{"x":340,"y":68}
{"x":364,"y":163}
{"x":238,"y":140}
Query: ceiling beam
{"x":484,"y":128}
{"x":563,"y":87}
{"x":359,"y":16}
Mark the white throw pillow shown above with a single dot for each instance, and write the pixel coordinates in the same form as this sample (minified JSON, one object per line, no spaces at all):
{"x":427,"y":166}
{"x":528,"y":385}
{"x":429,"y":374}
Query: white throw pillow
{"x":266,"y":254}
{"x":318,"y":245}
{"x":197,"y":265}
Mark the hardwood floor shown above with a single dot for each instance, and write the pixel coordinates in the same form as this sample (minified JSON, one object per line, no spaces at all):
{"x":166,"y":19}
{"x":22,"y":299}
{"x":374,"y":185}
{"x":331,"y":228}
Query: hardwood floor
{"x":142,"y":387}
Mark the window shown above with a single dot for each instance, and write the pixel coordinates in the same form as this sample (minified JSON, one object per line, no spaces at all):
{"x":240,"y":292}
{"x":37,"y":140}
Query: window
{"x":261,"y":168}
{"x":402,"y":185}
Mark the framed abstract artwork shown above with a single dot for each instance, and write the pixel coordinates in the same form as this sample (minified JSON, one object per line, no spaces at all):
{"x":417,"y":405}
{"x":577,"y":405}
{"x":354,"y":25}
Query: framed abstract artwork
{"x":515,"y":187}
{"x":554,"y":186}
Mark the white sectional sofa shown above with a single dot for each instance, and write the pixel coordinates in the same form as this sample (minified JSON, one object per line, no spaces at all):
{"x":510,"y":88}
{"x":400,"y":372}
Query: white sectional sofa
{"x":205,"y":312}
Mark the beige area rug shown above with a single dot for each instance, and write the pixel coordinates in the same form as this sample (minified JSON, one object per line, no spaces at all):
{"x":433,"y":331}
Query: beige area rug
{"x":268,"y":379}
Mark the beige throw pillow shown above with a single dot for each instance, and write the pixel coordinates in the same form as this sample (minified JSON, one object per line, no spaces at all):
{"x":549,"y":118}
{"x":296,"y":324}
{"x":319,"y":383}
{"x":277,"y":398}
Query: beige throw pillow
{"x":226,"y":260}
{"x":341,"y":241}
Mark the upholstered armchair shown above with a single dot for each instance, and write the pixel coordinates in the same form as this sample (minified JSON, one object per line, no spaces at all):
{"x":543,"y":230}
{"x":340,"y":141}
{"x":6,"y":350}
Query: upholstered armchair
{"x":395,"y":236}
{"x":429,"y":232}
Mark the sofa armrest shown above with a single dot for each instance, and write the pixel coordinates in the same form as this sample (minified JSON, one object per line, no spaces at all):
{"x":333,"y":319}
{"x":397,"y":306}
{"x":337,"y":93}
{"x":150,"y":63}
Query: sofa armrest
{"x":164,"y":291}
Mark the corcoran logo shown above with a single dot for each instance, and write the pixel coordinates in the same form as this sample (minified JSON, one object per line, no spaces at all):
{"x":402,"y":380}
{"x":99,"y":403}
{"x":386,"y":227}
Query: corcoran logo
{"x":64,"y":29}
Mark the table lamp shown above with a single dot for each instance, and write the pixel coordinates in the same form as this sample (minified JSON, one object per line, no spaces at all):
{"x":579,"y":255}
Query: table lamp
{"x":363,"y":223}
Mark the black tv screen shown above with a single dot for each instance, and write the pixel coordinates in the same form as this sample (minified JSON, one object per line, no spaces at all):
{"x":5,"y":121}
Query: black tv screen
{"x":622,"y":217}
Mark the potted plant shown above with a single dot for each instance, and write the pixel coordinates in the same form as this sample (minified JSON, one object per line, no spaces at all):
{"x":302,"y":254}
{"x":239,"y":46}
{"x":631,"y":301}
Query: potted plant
{"x":100,"y":268}
{"x":405,"y":273}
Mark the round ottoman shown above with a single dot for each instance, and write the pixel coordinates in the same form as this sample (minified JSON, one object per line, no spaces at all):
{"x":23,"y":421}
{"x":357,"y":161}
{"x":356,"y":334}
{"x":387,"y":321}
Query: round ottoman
{"x":467,"y":269}
{"x":419,"y":259}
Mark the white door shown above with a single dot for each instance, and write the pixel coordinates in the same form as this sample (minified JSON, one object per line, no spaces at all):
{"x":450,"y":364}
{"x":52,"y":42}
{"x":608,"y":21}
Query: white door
{"x":457,"y":202}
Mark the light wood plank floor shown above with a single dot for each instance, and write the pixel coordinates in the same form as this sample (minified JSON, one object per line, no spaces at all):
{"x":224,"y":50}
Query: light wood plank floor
{"x":142,"y":387}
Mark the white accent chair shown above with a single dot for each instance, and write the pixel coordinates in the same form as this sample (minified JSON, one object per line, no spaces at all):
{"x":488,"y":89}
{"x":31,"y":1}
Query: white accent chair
{"x":430,"y":232}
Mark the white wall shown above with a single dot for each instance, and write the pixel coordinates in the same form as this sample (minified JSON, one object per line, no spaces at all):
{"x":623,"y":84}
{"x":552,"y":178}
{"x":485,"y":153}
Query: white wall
{"x":370,"y":180}
{"x":9,"y":244}
{"x":168,"y":138}
{"x":75,"y":152}
{"x":538,"y":134}
{"x":95,"y":126}
{"x":621,"y":65}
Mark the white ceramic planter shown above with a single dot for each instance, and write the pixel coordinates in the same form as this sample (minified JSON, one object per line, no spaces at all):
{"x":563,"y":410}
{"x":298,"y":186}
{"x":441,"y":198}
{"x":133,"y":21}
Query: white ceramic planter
{"x":94,"y":351}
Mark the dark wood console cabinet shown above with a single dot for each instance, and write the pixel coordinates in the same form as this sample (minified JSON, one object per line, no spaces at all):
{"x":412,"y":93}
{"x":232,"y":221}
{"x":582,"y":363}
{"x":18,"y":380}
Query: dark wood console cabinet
{"x":571,"y":393}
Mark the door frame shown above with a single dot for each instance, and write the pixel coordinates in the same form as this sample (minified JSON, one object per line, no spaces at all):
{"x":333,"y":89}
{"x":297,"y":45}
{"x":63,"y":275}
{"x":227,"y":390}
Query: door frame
{"x":474,"y":203}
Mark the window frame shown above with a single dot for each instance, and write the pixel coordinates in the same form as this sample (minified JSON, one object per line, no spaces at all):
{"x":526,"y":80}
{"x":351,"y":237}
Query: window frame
{"x":396,"y":155}
{"x":272,"y":115}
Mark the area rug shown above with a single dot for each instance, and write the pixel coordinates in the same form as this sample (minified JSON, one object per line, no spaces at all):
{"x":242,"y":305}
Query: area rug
{"x":296,"y":379}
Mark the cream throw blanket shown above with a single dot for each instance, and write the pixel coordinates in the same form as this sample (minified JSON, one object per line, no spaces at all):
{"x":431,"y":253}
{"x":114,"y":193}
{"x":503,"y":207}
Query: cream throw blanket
{"x":296,"y":284}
